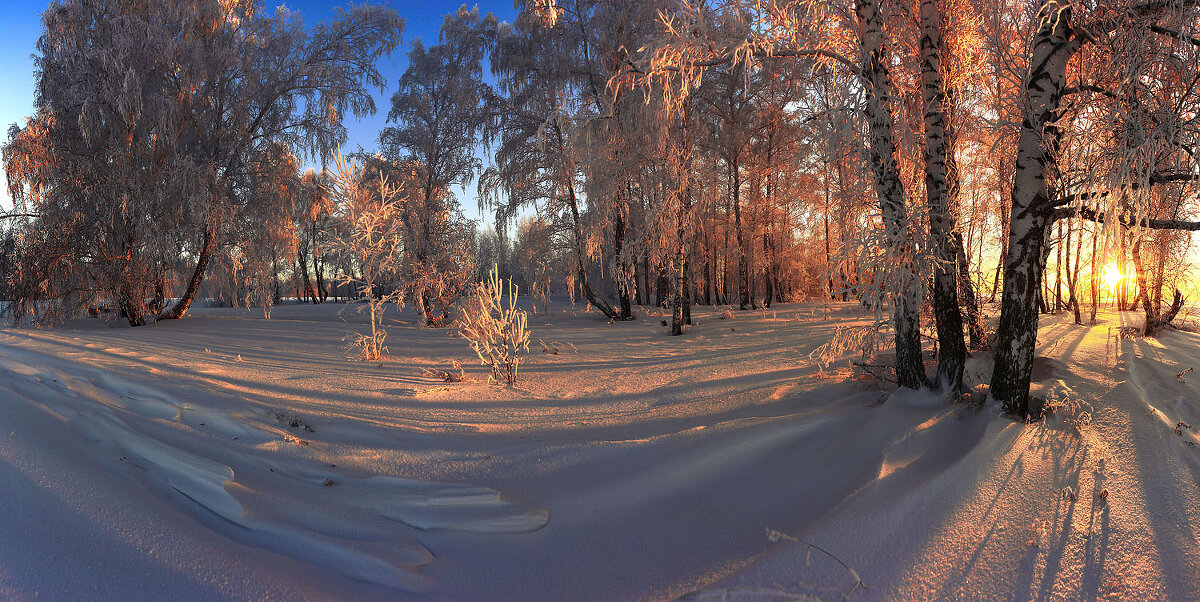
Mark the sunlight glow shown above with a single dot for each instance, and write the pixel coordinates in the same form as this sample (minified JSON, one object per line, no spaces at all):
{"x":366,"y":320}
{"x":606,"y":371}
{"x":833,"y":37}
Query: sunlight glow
{"x":1112,"y":276}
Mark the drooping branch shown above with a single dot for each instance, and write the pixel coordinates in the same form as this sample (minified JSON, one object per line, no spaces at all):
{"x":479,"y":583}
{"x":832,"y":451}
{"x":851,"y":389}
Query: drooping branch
{"x":766,"y":53}
{"x":1175,"y":34}
{"x":1127,"y":221}
{"x":1090,"y":88}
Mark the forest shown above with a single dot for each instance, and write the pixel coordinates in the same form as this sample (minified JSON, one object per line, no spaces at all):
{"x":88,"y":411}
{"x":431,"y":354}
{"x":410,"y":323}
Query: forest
{"x":938,"y":178}
{"x":923,"y":159}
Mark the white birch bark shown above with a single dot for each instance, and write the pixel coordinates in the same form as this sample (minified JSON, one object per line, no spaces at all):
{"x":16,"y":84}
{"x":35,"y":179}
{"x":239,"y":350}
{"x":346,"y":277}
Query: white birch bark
{"x":1032,"y":211}
{"x":952,"y":350}
{"x":910,"y":367}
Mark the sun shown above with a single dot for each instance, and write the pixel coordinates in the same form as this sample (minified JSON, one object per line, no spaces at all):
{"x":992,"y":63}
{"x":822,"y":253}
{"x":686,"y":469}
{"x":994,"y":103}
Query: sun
{"x":1112,"y":276}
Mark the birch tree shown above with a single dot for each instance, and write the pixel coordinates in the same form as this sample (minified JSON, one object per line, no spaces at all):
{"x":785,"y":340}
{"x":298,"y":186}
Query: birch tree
{"x":1059,"y":36}
{"x":151,"y":118}
{"x":439,"y":110}
{"x":251,"y":80}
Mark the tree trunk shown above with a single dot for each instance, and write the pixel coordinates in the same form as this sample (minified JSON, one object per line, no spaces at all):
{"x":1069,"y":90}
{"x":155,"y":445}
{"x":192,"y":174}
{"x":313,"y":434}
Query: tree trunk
{"x":1005,"y":213}
{"x":1058,"y":259}
{"x":687,"y":285}
{"x":906,"y":302}
{"x":626,"y":312}
{"x":319,"y":272}
{"x":1095,"y":281}
{"x":952,"y":350}
{"x":1154,"y":321}
{"x":1037,"y":150}
{"x":735,"y":186}
{"x":207,"y":246}
{"x":966,"y":293}
{"x":1073,"y":272}
{"x":584,"y":284}
{"x":302,"y":263}
{"x":637,"y":285}
{"x":646,"y":276}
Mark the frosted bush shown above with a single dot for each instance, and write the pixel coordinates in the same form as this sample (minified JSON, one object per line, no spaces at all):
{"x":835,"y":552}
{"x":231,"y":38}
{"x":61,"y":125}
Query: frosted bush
{"x":367,"y":216}
{"x":496,"y":329}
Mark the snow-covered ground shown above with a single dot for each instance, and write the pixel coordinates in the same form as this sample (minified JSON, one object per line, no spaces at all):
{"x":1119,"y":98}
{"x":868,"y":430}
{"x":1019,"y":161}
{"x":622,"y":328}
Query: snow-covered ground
{"x":228,"y":456}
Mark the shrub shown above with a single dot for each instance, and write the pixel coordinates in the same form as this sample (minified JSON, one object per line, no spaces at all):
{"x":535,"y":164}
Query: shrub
{"x":366,"y":213}
{"x":497,"y":331}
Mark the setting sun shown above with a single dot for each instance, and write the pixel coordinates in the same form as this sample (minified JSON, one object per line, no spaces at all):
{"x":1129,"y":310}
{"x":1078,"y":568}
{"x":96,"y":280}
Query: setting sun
{"x":1112,"y":276}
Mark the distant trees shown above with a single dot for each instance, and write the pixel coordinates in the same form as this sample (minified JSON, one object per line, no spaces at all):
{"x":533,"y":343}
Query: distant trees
{"x":538,"y":259}
{"x":314,"y":225}
{"x":915,"y":74}
{"x":254,"y":80}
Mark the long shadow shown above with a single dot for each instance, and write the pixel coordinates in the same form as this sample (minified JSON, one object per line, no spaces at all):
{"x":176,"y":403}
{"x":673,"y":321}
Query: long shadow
{"x":423,"y":415}
{"x":1068,"y":467}
{"x":1016,"y":469}
{"x":1176,"y":537}
{"x":1098,"y":535}
{"x":1068,"y":453}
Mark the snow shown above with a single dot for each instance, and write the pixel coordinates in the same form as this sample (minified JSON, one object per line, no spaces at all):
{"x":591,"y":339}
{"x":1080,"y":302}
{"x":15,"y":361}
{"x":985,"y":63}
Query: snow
{"x":163,"y":461}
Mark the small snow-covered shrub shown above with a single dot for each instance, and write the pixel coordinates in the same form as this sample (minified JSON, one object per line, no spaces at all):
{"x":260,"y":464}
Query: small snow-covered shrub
{"x":1068,"y":411}
{"x":367,"y":215}
{"x":447,"y":376}
{"x":497,"y":331}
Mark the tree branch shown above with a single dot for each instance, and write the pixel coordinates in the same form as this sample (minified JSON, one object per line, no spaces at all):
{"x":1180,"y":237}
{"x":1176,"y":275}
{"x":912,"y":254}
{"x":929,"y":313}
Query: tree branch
{"x":1099,"y":217}
{"x":1175,"y":34}
{"x":1089,"y":88}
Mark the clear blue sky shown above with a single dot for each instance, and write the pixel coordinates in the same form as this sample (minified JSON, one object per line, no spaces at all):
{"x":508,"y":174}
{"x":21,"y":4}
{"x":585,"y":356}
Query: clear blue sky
{"x":20,"y":26}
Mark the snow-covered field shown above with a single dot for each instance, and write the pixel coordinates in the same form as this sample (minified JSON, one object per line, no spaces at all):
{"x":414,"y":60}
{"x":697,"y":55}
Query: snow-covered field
{"x":228,"y":456}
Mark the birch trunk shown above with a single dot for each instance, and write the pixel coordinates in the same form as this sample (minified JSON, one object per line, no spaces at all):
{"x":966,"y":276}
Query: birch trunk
{"x":735,"y":185}
{"x":906,"y":301}
{"x":966,"y":292}
{"x":952,"y":350}
{"x":181,"y":307}
{"x":1031,"y":214}
{"x":626,"y":312}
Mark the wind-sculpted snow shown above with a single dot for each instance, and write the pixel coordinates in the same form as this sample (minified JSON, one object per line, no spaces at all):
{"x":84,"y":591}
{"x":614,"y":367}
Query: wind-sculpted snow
{"x":93,"y":404}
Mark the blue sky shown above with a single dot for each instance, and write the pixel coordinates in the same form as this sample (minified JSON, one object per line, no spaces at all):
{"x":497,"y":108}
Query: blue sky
{"x":20,"y":26}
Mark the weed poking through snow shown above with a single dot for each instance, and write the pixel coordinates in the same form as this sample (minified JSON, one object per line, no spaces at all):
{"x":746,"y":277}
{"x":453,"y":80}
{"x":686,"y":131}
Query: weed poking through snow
{"x":555,"y":347}
{"x":776,"y":536}
{"x":1039,"y":532}
{"x":1068,"y":494}
{"x":292,"y":421}
{"x":1075,"y":413}
{"x":447,"y":376}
